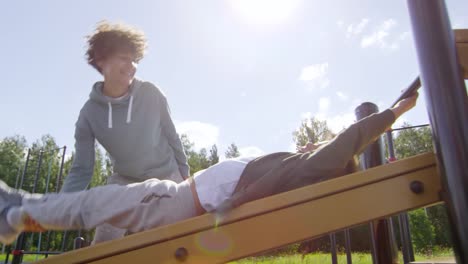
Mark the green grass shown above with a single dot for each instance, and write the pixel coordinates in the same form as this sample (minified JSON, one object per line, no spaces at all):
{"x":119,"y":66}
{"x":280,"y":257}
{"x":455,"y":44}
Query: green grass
{"x":26,"y":258}
{"x":357,"y":258}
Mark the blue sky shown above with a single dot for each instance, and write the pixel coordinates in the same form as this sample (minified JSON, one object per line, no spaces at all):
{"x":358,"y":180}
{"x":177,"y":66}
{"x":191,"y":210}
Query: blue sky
{"x":242,"y":71}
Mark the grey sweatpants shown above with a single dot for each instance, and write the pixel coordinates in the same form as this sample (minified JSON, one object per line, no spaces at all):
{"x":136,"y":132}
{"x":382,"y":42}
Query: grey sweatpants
{"x":135,"y":207}
{"x":107,"y":232}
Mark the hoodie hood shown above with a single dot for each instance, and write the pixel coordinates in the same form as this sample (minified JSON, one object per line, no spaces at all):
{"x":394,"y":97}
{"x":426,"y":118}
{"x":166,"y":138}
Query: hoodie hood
{"x":98,"y":96}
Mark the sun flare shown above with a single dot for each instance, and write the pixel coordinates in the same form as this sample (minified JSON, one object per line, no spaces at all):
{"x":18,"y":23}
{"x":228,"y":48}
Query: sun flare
{"x":264,"y":11}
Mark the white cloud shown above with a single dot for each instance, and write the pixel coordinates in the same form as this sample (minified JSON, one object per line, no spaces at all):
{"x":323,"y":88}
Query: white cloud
{"x":265,"y":12}
{"x":342,"y":96}
{"x":306,"y":115}
{"x":251,"y":151}
{"x":203,"y":135}
{"x":459,"y":23}
{"x":292,"y":147}
{"x":316,"y":76}
{"x":336,"y":122}
{"x":404,"y":35}
{"x":356,"y":29}
{"x":340,"y":23}
{"x":381,"y":35}
{"x":324,"y":104}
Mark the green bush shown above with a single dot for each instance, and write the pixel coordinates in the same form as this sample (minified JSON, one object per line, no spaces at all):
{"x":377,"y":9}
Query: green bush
{"x":422,"y":231}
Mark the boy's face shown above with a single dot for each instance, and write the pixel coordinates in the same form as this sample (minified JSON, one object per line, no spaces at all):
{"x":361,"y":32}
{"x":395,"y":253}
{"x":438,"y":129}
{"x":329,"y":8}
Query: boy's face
{"x":119,"y":68}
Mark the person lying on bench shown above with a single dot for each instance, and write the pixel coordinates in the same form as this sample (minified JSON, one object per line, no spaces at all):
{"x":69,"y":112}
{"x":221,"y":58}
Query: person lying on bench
{"x":221,"y":187}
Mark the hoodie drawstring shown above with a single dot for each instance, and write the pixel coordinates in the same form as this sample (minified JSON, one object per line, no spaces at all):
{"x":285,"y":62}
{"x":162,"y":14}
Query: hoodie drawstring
{"x":109,"y":118}
{"x":129,"y":112}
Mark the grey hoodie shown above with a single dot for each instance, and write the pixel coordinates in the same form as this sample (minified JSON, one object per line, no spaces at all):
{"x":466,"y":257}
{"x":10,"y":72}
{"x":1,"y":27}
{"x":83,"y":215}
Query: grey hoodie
{"x":136,"y":131}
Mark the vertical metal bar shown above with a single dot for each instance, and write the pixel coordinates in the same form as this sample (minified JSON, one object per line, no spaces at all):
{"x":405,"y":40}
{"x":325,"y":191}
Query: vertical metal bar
{"x":347,"y":236}
{"x":49,"y":168}
{"x":373,"y":243}
{"x":447,"y":105}
{"x":28,"y":156}
{"x":386,"y":250}
{"x":404,"y":242}
{"x":405,"y":236}
{"x":391,"y":149}
{"x":78,"y":242}
{"x":7,"y":257}
{"x":57,"y":189}
{"x":59,"y":178}
{"x":38,"y":171}
{"x":407,"y":233}
{"x":36,"y":178}
{"x":391,"y":231}
{"x":18,"y":177}
{"x":17,"y":258}
{"x":64,"y":240}
{"x":333,"y":248}
{"x":59,"y":183}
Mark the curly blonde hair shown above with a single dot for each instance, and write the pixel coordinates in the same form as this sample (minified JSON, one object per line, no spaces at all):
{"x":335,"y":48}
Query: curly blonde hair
{"x":109,"y":38}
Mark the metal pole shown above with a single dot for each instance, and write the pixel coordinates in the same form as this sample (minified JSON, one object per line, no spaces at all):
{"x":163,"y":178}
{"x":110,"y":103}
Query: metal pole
{"x":17,"y":258}
{"x":447,"y":105}
{"x":333,"y":248}
{"x":405,"y":235}
{"x":38,"y":171}
{"x":373,"y":243}
{"x":59,"y":178}
{"x":347,"y":237}
{"x":25,"y":169}
{"x":51,"y":159}
{"x":386,"y":250}
{"x":18,"y":177}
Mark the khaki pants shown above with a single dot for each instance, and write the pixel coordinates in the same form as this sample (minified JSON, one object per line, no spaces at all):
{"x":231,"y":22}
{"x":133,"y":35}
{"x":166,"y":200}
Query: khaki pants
{"x":107,"y":232}
{"x":280,"y":172}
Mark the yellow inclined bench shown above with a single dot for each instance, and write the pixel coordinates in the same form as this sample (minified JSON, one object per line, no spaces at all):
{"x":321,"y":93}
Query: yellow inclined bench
{"x":278,"y":220}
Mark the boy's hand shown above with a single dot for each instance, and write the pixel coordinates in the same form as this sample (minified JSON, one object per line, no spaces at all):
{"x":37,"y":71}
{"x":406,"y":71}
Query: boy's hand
{"x":404,"y":105}
{"x":309,"y":147}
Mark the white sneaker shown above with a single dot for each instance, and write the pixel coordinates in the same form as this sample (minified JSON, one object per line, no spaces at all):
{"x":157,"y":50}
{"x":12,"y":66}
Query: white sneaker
{"x":9,"y":197}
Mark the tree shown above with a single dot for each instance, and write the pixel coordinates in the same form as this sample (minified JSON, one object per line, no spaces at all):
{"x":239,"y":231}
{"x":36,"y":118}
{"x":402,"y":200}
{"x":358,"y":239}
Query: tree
{"x":196,"y":160}
{"x":12,"y":155}
{"x":186,"y":144}
{"x":43,"y":165}
{"x":422,"y":230}
{"x":100,"y":172}
{"x":411,"y":141}
{"x":232,"y":151}
{"x":439,"y":219}
{"x":312,"y":130}
{"x":109,"y":165}
{"x":214,"y":157}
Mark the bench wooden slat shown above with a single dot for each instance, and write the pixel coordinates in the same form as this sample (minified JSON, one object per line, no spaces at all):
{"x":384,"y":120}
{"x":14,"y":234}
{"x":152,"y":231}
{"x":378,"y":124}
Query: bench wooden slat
{"x":277,"y":220}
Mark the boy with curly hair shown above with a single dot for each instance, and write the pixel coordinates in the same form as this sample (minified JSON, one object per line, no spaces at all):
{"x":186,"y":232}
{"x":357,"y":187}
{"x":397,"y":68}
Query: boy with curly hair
{"x":129,"y":117}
